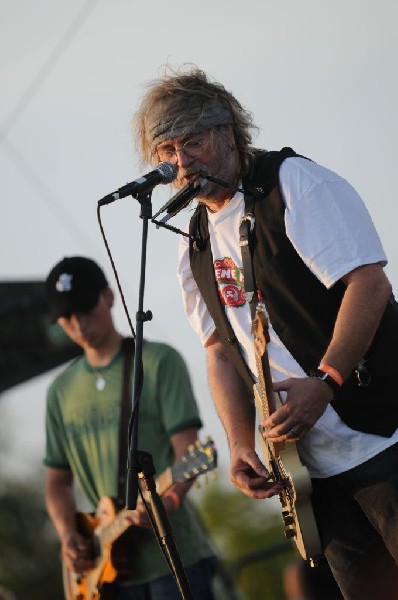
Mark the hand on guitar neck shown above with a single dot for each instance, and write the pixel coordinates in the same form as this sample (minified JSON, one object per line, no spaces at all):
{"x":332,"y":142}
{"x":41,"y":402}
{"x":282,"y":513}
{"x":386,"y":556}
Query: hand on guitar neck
{"x":139,"y":517}
{"x":306,"y":401}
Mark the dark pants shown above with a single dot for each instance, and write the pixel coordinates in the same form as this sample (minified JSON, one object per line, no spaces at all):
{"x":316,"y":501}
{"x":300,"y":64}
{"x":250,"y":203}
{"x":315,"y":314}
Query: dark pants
{"x":357,"y":516}
{"x":200,"y":577}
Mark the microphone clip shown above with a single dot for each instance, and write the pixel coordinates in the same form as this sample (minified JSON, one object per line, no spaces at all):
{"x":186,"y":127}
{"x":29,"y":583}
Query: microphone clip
{"x":180,"y":200}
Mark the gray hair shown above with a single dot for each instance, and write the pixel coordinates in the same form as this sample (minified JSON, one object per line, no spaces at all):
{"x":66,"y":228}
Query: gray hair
{"x":187,"y":102}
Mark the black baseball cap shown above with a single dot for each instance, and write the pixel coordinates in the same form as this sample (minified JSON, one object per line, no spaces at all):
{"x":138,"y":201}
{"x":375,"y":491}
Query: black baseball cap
{"x":74,"y":285}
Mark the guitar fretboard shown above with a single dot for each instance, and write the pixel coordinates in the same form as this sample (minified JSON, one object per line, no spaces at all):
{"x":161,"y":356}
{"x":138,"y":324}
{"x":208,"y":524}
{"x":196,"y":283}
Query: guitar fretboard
{"x":111,"y":532}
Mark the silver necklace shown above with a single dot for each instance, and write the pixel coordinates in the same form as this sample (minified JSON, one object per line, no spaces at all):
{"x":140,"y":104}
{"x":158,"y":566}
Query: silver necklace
{"x":100,"y":382}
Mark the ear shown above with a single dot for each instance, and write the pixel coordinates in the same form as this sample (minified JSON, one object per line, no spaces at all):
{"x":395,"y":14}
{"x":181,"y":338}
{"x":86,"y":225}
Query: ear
{"x":109,"y":297}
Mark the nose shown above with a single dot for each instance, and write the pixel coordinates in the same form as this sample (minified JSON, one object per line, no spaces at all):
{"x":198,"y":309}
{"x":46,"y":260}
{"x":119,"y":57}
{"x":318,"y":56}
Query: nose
{"x":183,"y":159}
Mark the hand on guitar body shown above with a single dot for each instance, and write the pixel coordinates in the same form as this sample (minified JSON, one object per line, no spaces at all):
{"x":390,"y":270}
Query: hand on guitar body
{"x":248,"y":474}
{"x":306,"y":401}
{"x":77,"y":552}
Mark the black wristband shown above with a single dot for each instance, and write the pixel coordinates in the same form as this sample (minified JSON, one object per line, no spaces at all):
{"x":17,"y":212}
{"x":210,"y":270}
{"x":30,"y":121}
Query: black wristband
{"x":327,"y":379}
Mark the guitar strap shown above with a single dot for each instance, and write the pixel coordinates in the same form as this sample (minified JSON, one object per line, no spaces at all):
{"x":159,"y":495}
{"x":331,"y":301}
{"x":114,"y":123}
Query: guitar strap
{"x":128,"y":346}
{"x":246,"y":229}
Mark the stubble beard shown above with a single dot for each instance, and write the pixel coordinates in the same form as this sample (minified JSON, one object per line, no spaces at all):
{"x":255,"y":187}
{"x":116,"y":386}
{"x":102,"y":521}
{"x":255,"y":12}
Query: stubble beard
{"x":227,"y":170}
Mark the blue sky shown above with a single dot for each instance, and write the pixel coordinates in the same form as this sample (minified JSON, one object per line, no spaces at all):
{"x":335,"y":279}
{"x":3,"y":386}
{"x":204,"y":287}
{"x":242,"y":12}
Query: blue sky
{"x":318,"y":76}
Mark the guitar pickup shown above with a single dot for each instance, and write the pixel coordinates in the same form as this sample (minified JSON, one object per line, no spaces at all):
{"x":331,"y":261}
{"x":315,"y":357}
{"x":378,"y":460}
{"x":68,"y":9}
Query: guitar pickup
{"x":290,"y":533}
{"x":288,"y":519}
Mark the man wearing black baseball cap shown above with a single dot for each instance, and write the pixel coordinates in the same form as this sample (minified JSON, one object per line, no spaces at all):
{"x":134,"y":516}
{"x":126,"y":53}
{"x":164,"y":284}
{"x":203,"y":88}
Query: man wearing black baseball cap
{"x":82,"y":435}
{"x":74,"y":285}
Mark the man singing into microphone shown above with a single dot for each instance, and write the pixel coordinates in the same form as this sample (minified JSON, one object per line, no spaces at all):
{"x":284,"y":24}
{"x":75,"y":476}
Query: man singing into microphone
{"x":316,"y":262}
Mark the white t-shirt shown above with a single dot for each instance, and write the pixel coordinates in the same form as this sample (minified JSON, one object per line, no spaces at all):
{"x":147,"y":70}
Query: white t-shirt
{"x":331,"y":229}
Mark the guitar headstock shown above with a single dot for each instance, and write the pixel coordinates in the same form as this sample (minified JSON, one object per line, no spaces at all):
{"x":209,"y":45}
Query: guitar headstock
{"x":200,"y":459}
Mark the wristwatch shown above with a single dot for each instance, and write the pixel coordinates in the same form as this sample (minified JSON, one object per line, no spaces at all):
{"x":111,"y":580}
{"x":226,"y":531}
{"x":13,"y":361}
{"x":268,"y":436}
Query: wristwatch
{"x":327,"y":379}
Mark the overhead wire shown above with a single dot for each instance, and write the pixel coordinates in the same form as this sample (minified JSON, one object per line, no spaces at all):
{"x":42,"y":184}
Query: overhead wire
{"x":47,"y":67}
{"x":21,"y":163}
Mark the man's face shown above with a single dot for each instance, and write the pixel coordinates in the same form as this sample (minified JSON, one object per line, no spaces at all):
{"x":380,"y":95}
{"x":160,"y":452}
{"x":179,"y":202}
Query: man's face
{"x":90,"y":329}
{"x":212,"y":152}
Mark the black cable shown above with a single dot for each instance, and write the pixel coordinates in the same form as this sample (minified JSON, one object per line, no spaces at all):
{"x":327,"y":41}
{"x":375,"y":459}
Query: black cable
{"x":115,"y":272}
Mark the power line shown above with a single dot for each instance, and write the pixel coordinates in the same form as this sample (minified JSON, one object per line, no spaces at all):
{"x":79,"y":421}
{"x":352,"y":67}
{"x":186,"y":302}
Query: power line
{"x":43,"y":191}
{"x":47,"y":67}
{"x":35,"y":181}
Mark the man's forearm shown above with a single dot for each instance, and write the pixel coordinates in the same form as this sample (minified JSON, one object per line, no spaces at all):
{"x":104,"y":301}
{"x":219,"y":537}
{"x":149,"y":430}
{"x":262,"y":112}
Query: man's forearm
{"x":61,"y":508}
{"x":364,"y":301}
{"x":233,"y":401}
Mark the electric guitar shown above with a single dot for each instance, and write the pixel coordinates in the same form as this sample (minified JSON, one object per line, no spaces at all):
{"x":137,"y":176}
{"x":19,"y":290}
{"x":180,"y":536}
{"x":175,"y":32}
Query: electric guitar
{"x":105,"y":529}
{"x":282,"y":459}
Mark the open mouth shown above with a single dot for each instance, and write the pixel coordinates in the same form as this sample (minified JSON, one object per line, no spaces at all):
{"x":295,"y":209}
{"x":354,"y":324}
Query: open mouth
{"x":185,"y":178}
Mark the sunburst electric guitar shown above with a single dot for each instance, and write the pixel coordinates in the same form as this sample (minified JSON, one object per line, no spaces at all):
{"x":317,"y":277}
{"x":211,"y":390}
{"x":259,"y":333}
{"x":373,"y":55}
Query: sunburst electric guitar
{"x":105,"y":529}
{"x":282,"y":459}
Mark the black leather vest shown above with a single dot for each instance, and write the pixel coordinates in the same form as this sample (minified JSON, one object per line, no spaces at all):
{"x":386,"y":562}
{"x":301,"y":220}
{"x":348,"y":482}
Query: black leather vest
{"x":302,"y":311}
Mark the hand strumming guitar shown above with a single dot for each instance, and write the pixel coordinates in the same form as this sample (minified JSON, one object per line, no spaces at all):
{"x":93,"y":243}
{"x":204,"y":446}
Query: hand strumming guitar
{"x":249,"y":474}
{"x":76,"y":552}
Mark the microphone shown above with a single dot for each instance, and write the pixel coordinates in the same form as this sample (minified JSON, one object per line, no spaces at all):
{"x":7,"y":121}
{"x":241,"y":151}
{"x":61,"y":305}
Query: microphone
{"x":181,"y":199}
{"x":164,"y":173}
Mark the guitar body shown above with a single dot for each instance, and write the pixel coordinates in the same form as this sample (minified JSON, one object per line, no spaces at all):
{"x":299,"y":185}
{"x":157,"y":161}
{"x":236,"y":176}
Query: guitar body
{"x":93,"y":584}
{"x":111,"y":535}
{"x":282,"y":459}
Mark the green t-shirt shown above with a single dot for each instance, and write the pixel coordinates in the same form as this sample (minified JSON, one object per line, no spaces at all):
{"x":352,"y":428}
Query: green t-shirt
{"x":82,"y":426}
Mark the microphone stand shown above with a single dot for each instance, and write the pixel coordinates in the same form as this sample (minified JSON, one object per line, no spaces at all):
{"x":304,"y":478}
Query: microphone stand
{"x":140,"y":464}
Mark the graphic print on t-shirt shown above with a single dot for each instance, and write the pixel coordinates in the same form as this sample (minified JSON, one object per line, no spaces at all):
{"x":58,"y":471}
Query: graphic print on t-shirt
{"x":230,"y":282}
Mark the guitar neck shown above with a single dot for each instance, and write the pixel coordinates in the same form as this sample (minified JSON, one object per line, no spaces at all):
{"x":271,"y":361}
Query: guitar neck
{"x":199,"y":458}
{"x":120,"y":524}
{"x":266,"y":398}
